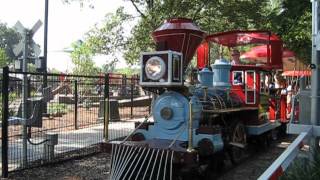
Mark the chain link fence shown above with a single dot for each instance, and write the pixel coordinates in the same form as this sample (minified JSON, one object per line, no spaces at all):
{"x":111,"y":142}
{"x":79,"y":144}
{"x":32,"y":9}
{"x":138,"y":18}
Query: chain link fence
{"x":67,"y":117}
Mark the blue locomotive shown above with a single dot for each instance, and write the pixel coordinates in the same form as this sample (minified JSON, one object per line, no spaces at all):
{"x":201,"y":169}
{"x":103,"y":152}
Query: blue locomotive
{"x":195,"y":126}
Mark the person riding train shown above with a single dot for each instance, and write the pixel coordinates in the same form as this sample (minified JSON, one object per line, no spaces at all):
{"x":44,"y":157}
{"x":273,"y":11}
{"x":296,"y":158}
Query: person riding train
{"x":235,"y":57}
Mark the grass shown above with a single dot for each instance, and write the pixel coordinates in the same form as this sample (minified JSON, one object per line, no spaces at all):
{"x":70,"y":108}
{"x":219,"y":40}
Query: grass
{"x":57,"y":108}
{"x":304,"y":169}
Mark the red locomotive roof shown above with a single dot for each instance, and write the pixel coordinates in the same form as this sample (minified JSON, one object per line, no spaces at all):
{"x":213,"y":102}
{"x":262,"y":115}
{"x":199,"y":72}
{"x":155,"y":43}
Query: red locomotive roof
{"x":296,"y":73}
{"x":238,"y":37}
{"x":260,"y":53}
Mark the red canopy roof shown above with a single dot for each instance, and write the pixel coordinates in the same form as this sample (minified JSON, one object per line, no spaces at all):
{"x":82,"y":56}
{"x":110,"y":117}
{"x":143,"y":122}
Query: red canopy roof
{"x":297,"y":73}
{"x":238,"y":37}
{"x":260,"y":53}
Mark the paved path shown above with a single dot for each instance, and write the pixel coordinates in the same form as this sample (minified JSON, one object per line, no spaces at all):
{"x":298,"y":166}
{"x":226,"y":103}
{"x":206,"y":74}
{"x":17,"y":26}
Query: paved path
{"x":67,"y":141}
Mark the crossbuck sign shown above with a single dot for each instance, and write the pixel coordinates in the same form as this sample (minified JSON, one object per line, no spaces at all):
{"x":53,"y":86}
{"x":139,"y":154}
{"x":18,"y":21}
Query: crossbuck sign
{"x":17,"y":50}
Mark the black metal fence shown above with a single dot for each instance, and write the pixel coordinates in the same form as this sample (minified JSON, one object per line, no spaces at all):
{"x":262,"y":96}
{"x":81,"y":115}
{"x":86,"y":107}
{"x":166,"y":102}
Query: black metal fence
{"x":72,"y":107}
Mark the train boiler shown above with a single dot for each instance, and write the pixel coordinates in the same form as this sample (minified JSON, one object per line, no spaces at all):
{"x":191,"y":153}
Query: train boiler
{"x":194,"y":128}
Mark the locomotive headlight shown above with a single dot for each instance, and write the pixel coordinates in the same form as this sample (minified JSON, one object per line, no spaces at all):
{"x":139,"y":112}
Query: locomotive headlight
{"x":155,"y":68}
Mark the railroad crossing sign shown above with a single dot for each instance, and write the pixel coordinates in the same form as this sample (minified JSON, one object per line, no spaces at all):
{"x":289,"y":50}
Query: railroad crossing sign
{"x":34,"y":47}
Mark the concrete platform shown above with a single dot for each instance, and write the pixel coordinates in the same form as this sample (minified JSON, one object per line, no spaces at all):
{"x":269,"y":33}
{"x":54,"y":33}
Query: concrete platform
{"x":67,"y":141}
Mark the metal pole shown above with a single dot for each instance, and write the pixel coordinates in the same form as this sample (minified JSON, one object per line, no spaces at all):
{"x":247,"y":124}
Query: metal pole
{"x":45,"y":43}
{"x":106,"y":107}
{"x":45,"y":47}
{"x":131,"y":97}
{"x":124,"y":84}
{"x":25,"y":97}
{"x":5,"y":116}
{"x":75,"y":104}
{"x":302,"y":83}
{"x":315,"y":65}
{"x":190,"y":137}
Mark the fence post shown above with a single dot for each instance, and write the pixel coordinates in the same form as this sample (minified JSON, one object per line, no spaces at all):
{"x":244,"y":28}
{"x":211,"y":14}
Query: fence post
{"x":75,"y":104}
{"x":29,"y":95}
{"x":131,"y":96}
{"x":5,"y":116}
{"x":124,"y":85}
{"x":106,"y":107}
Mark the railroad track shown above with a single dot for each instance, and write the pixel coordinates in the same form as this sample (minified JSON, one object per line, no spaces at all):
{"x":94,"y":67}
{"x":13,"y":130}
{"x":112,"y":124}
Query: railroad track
{"x":256,"y":161}
{"x":98,"y":166}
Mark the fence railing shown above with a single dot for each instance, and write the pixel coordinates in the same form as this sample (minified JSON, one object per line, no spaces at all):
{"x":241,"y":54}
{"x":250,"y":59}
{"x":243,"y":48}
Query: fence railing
{"x":71,"y":106}
{"x":279,"y":166}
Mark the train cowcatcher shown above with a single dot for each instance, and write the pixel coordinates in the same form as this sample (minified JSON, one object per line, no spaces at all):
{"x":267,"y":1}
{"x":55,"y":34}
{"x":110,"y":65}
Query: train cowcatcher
{"x":194,"y":128}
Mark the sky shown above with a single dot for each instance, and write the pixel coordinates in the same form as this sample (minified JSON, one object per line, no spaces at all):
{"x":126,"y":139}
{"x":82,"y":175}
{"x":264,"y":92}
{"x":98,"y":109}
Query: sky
{"x":67,"y":23}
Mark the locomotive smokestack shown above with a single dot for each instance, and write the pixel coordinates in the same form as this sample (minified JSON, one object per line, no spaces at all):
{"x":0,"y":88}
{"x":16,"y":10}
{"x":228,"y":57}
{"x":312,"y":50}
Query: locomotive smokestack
{"x":181,"y":35}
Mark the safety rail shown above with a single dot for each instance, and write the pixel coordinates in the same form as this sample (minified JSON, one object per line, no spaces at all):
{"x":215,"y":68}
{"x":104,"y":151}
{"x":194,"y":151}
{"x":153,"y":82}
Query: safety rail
{"x":129,"y":135}
{"x":279,"y":166}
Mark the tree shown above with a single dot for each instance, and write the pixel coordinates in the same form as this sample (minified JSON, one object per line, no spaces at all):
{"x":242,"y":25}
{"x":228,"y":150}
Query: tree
{"x":109,"y":38}
{"x":128,"y":71}
{"x":109,"y":67}
{"x":4,"y":59}
{"x":290,"y":19}
{"x":82,"y":59}
{"x":8,"y":38}
{"x":211,"y":15}
{"x":81,"y":2}
{"x":54,"y":71}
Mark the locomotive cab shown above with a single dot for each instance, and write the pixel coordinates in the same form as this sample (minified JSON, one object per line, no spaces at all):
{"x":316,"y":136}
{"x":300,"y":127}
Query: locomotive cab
{"x":245,"y":82}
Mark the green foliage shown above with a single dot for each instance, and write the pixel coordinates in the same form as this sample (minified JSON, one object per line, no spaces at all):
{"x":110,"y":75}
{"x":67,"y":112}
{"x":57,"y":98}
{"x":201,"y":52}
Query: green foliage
{"x":304,"y":169}
{"x":128,"y":71}
{"x":54,"y":71}
{"x":290,"y":19}
{"x":4,"y":59}
{"x":109,"y":67}
{"x":109,"y":38}
{"x":32,"y":68}
{"x":82,"y":3}
{"x":294,"y":27}
{"x":57,"y":108}
{"x":8,"y":38}
{"x":140,"y":41}
{"x":211,"y":15}
{"x":82,"y":59}
{"x":222,"y":15}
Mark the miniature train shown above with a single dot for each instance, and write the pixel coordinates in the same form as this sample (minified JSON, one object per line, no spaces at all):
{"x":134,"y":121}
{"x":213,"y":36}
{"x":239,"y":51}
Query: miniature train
{"x":194,"y":126}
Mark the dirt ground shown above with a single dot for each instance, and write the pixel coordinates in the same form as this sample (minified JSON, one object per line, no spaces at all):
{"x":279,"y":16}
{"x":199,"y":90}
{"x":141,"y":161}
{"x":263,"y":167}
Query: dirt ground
{"x":97,"y":167}
{"x":94,"y":167}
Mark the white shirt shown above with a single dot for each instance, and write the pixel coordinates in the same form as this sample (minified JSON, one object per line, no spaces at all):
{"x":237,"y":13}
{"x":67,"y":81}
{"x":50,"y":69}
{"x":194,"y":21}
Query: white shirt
{"x":233,"y":62}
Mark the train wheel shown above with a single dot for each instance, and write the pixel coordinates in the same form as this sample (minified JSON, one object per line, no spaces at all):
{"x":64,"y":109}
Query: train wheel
{"x":238,"y":138}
